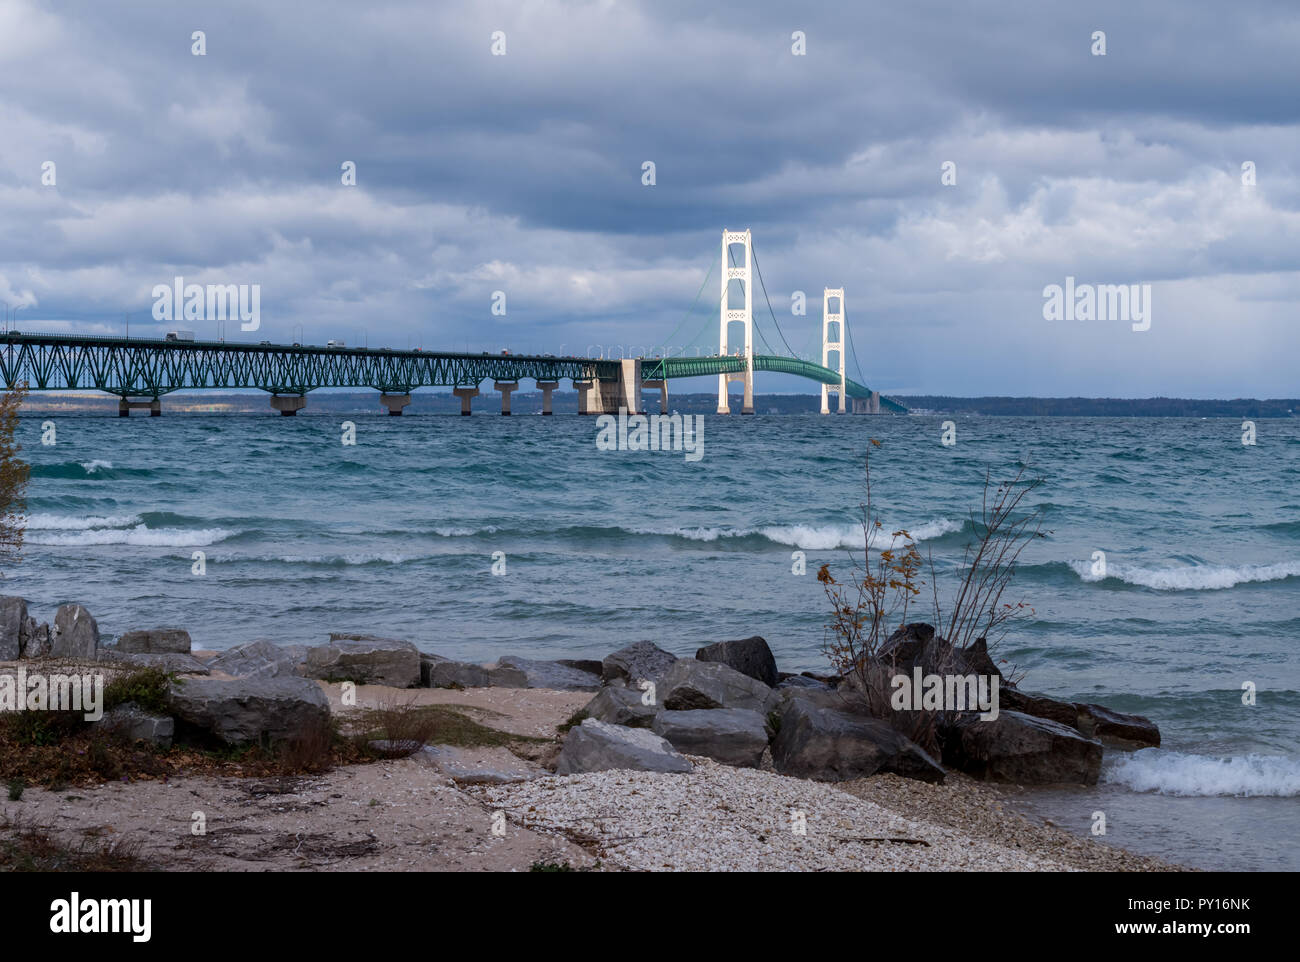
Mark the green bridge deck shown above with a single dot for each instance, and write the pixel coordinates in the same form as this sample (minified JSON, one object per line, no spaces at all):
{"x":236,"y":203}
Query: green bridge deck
{"x":151,"y":367}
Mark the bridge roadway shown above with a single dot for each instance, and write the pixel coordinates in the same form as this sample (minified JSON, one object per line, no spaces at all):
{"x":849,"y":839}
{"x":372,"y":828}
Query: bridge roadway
{"x":141,"y":370}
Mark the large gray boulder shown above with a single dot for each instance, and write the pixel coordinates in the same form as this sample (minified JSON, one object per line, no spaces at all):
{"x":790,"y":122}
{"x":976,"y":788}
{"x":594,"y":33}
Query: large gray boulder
{"x":749,"y":656}
{"x":439,"y":672}
{"x":595,"y":746}
{"x":847,"y":700}
{"x":36,"y":639}
{"x":75,"y":634}
{"x":13,"y":625}
{"x":1092,"y":721}
{"x":506,"y":676}
{"x":154,"y":641}
{"x":244,"y":710}
{"x":172,"y":662}
{"x":621,"y":706}
{"x":551,"y":674}
{"x":818,"y":737}
{"x":1016,"y":747}
{"x":642,"y":660}
{"x":428,"y":662}
{"x":916,"y":645}
{"x":733,"y":736}
{"x":1040,"y":706}
{"x":366,"y":660}
{"x":693,"y":685}
{"x":259,"y":659}
{"x":1116,"y":728}
{"x":131,"y":722}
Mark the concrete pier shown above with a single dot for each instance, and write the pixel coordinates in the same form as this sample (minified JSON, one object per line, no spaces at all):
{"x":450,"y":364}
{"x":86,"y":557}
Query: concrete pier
{"x":546,"y":387}
{"x":608,"y":397}
{"x":154,"y":406}
{"x":288,"y":404}
{"x":466,"y":394}
{"x":867,"y":405}
{"x":505,"y":387}
{"x":663,"y":393}
{"x":394,"y":403}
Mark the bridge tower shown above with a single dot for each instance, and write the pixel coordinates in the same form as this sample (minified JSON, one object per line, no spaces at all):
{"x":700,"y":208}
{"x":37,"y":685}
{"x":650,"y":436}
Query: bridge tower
{"x":745,"y":316}
{"x":836,"y":345}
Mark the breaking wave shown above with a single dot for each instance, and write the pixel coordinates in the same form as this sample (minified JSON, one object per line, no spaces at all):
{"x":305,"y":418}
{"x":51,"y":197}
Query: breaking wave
{"x":1178,"y":773}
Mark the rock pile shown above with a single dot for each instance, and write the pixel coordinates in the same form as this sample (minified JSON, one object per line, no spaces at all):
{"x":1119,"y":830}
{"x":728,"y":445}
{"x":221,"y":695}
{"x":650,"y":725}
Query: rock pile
{"x":649,"y":710}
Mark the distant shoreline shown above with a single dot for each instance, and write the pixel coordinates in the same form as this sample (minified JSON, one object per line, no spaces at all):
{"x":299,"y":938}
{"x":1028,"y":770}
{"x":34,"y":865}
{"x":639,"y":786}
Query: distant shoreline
{"x":530,"y":402}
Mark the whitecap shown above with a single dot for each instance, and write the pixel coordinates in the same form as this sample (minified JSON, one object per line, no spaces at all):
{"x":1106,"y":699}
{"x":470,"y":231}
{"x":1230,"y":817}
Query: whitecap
{"x":141,"y":536}
{"x":1178,"y":773}
{"x":1189,"y":577}
{"x":63,"y":522}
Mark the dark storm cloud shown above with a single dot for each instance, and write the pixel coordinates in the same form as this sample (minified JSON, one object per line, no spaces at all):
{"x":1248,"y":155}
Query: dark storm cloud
{"x":522,"y":173}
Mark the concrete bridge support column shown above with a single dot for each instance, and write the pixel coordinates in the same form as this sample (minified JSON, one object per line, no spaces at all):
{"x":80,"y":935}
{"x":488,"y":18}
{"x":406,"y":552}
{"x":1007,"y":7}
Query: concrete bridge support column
{"x":867,"y":405}
{"x":608,"y":397}
{"x":505,"y":387}
{"x":629,"y":387}
{"x":546,"y":387}
{"x":663,"y":393}
{"x":394,"y":403}
{"x":288,"y":404}
{"x":466,"y":394}
{"x":124,"y":407}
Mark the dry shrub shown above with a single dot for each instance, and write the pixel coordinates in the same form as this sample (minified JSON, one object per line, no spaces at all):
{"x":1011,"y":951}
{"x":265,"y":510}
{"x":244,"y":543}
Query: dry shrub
{"x":311,"y":750}
{"x":403,"y":728}
{"x":883,"y":589}
{"x":34,"y":848}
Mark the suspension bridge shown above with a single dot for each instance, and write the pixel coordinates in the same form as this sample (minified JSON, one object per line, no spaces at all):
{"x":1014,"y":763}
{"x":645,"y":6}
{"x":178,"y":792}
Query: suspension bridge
{"x":140,"y":371}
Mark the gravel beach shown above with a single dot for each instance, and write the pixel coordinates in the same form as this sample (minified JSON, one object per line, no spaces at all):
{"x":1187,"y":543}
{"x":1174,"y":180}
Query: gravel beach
{"x":718,"y":818}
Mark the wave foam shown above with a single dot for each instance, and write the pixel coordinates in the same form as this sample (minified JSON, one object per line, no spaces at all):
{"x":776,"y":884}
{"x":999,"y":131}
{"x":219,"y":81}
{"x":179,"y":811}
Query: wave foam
{"x":141,"y":536}
{"x":92,"y":466}
{"x":453,"y":532}
{"x":807,"y":536}
{"x":320,"y":559}
{"x":1177,"y":773}
{"x":821,"y":538}
{"x":63,"y":522}
{"x":1190,"y":578}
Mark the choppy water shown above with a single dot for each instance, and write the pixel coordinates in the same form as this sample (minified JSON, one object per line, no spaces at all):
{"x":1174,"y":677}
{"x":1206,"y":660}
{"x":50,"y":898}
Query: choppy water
{"x":396,"y":536}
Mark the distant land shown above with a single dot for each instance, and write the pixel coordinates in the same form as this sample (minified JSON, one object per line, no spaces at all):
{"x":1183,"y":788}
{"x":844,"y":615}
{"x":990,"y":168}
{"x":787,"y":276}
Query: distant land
{"x":530,"y":402}
{"x":1093,"y":407}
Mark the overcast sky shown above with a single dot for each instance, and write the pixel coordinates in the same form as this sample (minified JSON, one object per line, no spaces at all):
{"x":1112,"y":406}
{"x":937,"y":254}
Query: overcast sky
{"x":523,"y":173}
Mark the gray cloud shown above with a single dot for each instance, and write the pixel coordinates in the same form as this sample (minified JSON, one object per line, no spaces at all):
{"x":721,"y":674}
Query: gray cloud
{"x":523,"y":173}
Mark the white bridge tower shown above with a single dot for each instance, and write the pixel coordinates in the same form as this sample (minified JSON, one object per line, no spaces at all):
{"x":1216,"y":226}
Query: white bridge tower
{"x":745,"y":316}
{"x":837,"y":345}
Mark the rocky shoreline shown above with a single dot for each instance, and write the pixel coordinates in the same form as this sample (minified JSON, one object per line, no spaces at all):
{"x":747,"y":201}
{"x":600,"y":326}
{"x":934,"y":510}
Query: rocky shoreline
{"x":638,"y":756}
